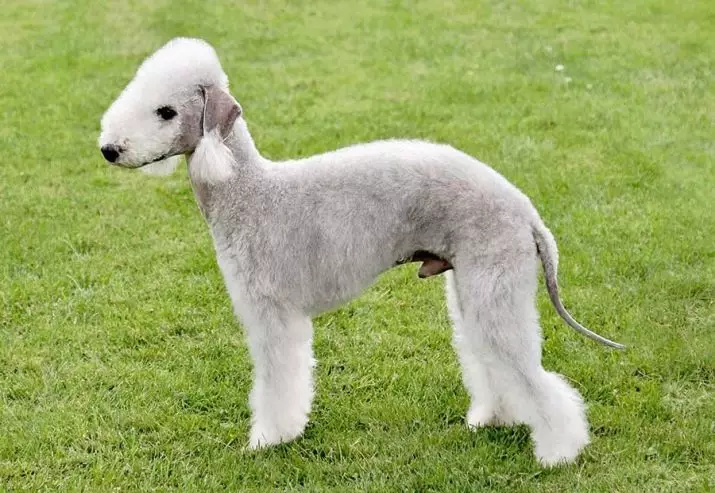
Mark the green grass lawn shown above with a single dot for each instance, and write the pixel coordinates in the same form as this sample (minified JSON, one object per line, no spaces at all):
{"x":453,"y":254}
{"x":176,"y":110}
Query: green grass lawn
{"x":121,"y":366}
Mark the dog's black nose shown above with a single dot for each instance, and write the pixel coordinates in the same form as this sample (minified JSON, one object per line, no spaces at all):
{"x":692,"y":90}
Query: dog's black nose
{"x":110,"y":152}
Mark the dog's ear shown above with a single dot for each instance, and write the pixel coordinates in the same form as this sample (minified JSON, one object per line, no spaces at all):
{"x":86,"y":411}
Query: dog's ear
{"x":220,"y":111}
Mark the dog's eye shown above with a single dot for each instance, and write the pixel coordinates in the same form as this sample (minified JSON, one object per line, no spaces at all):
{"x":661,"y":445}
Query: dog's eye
{"x":166,"y":112}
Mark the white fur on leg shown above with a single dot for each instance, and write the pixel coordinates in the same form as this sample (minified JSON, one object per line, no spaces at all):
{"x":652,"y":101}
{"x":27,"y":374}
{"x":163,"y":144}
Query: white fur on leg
{"x":504,"y":327}
{"x":482,"y":410}
{"x":280,"y":399}
{"x":553,"y":410}
{"x":485,"y":408}
{"x":565,"y":430}
{"x":283,"y":385}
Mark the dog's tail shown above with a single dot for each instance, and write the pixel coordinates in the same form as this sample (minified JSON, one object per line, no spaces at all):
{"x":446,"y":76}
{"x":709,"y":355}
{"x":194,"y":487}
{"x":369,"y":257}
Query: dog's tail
{"x":548,"y":253}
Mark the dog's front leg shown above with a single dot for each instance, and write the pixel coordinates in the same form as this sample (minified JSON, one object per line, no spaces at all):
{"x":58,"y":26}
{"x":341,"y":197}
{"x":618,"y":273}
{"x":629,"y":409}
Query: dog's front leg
{"x":280,"y":343}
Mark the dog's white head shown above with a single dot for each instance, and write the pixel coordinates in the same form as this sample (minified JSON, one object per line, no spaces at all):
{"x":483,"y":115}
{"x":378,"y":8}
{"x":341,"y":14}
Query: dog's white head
{"x":178,"y":95}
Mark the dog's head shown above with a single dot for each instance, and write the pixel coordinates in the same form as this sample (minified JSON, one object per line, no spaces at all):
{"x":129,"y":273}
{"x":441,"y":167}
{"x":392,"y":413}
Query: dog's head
{"x":178,"y":95}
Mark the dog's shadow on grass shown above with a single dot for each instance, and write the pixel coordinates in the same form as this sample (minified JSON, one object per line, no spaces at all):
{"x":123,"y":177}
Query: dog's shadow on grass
{"x":499,"y":443}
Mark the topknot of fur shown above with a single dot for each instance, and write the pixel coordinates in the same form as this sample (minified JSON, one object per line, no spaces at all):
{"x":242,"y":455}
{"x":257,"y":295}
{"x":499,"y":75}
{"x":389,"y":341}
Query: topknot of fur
{"x":182,"y":62}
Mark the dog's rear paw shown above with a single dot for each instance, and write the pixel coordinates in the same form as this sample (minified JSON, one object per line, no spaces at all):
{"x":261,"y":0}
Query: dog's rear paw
{"x":505,"y":418}
{"x":480,"y":416}
{"x":553,"y":449}
{"x":559,"y":455}
{"x":258,"y":441}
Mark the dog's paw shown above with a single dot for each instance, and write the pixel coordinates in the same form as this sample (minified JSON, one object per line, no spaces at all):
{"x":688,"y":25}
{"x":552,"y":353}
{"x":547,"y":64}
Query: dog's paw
{"x":480,"y":416}
{"x":504,"y":418}
{"x":553,"y":449}
{"x":258,"y":440}
{"x":266,"y":435}
{"x":261,"y":439}
{"x":561,"y":454}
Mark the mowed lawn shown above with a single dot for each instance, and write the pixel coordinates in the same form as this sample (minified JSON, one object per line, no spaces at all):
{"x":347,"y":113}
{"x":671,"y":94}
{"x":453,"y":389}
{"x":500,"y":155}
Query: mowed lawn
{"x":121,"y":365}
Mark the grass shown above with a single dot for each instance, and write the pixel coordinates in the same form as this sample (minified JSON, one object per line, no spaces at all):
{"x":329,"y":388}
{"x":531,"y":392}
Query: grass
{"x":121,"y":366}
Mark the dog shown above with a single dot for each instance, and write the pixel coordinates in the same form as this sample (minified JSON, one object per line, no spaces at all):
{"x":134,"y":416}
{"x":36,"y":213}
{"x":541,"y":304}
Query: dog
{"x":299,"y":237}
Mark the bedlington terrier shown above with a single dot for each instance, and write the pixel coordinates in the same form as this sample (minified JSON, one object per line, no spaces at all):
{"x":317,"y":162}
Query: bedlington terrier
{"x":296,"y":238}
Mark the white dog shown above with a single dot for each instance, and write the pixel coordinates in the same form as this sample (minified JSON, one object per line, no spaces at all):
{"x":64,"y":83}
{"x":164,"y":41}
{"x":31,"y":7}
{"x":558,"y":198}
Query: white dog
{"x":296,"y":238}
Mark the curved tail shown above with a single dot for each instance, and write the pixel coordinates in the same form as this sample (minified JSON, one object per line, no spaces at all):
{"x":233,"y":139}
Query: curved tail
{"x":548,"y":253}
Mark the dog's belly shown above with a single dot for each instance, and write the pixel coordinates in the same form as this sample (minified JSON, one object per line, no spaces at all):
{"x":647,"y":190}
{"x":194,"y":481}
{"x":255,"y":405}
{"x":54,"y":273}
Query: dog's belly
{"x":342,"y":284}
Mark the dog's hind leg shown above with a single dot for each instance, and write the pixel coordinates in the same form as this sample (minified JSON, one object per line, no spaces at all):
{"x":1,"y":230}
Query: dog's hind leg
{"x":500,"y":325}
{"x":280,"y":344}
{"x":483,"y":404}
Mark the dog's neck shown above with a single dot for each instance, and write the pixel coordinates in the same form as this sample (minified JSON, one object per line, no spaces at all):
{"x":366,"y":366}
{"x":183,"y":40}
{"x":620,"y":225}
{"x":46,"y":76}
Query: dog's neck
{"x":241,"y":144}
{"x":212,"y":175}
